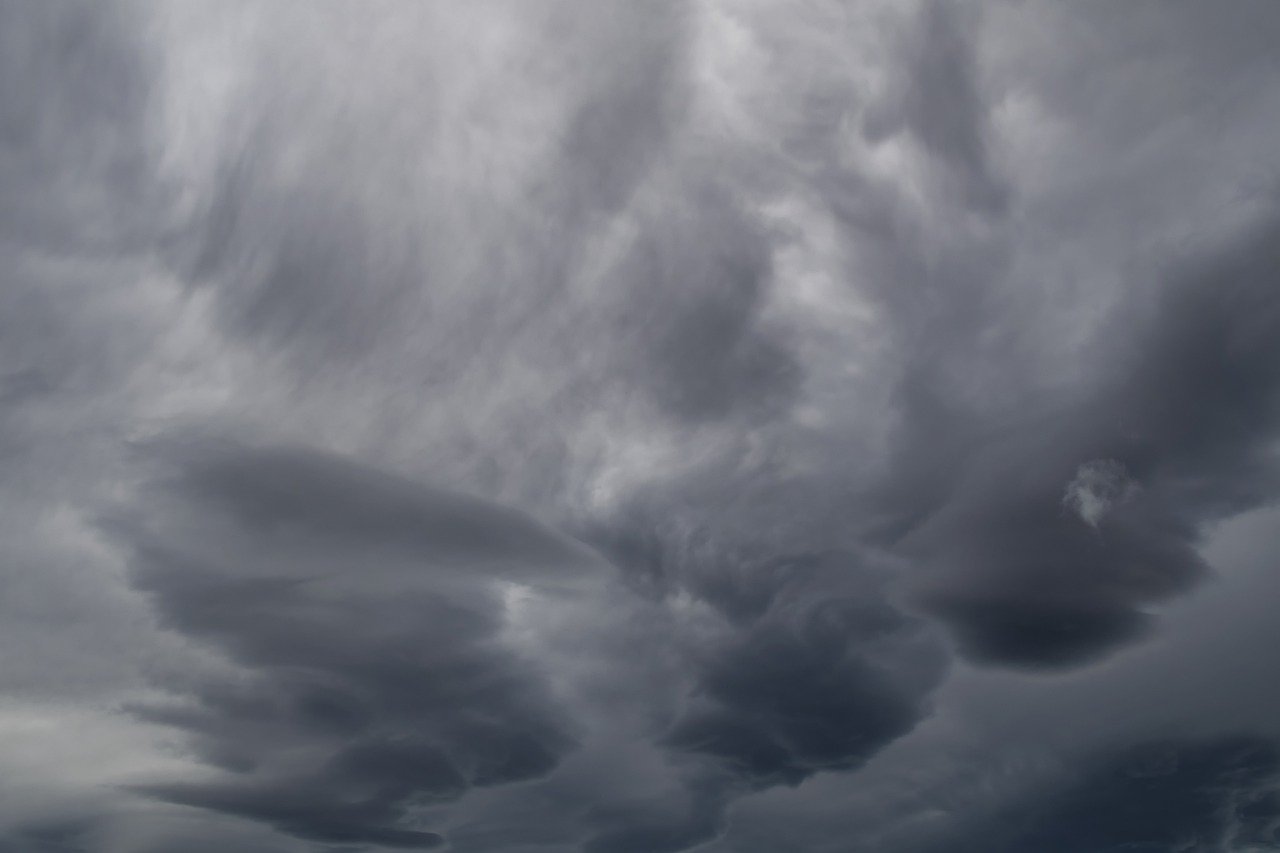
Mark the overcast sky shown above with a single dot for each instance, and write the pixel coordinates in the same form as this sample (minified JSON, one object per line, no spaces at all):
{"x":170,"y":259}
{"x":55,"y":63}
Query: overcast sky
{"x":637,"y":426}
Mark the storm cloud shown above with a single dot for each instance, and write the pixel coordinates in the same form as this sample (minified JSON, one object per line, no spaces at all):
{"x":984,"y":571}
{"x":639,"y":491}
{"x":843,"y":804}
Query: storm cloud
{"x":365,"y":616}
{"x":571,"y":425}
{"x":1213,"y":794}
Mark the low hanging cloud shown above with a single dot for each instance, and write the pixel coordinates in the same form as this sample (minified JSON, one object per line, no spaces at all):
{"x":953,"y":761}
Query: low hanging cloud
{"x":370,"y":625}
{"x":1206,"y":794}
{"x":571,"y":425}
{"x":363,"y":616}
{"x":1035,"y":586}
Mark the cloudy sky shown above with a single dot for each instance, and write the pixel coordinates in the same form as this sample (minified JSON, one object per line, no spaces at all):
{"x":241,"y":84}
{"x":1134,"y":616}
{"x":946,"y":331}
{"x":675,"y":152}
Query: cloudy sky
{"x":636,"y":426}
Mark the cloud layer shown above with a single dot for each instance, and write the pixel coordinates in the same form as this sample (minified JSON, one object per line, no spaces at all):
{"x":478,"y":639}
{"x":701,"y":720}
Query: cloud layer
{"x":595,"y":426}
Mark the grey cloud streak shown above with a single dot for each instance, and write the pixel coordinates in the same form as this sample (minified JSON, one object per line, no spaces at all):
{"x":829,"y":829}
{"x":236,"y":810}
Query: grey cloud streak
{"x":574,"y":425}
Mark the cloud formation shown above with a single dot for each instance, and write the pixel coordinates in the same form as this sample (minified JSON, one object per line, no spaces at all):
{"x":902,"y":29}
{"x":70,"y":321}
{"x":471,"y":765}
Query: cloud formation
{"x":1217,"y":794}
{"x":366,"y":614}
{"x":1097,"y":486}
{"x":596,"y":426}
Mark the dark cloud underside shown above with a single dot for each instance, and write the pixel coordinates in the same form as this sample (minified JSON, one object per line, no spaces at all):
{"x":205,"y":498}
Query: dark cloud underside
{"x":1197,"y":795}
{"x":537,"y":426}
{"x":356,"y":605}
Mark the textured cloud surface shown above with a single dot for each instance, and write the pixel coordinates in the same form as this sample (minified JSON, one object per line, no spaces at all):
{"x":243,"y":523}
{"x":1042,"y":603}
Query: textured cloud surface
{"x":578,"y":425}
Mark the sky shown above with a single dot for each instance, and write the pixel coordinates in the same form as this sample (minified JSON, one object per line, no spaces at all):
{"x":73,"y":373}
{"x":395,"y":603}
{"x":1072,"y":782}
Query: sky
{"x":601,"y":426}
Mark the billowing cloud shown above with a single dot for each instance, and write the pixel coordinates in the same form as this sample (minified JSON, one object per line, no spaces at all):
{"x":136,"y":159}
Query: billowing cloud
{"x":377,"y":659}
{"x":570,"y":425}
{"x":364,"y":617}
{"x":824,"y":673}
{"x":1035,"y":585}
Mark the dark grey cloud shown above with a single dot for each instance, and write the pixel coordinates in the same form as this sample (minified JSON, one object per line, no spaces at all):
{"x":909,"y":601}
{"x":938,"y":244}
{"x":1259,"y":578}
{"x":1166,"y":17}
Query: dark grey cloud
{"x":812,"y":665}
{"x":362,"y":615}
{"x":1199,"y":795}
{"x":824,"y":672}
{"x":1187,"y":412}
{"x":669,"y":823}
{"x":327,"y":497}
{"x":979,"y":470}
{"x":834,"y":414}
